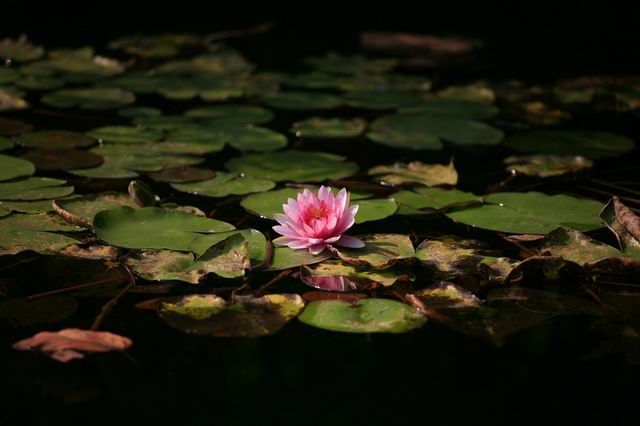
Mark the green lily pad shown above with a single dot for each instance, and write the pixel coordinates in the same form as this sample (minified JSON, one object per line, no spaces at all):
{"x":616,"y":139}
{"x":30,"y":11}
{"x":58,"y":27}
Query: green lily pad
{"x":55,"y":139}
{"x":244,"y":316}
{"x":379,"y":251}
{"x":62,"y":159}
{"x":286,"y":258}
{"x":329,"y":128}
{"x":182,"y":175}
{"x":293,"y":166}
{"x":367,"y":316}
{"x":332,"y":268}
{"x":203,"y":139}
{"x":472,"y":110}
{"x":6,"y":143}
{"x":594,"y":145}
{"x":576,"y":247}
{"x":8,"y":75}
{"x":375,"y":209}
{"x":334,"y":63}
{"x":82,"y":210}
{"x":20,"y":50}
{"x":416,"y":172}
{"x":12,"y":167}
{"x":34,"y":188}
{"x":12,"y":99}
{"x":546,"y":165}
{"x":453,"y":257}
{"x":257,"y":243}
{"x":255,"y":139}
{"x":22,"y":232}
{"x":39,"y":206}
{"x":426,"y":131}
{"x":530,"y":213}
{"x":228,"y":259}
{"x":93,"y":99}
{"x":232,"y":114}
{"x":163,"y":122}
{"x":624,"y":223}
{"x":153,"y":228}
{"x":474,"y":92}
{"x":126,"y":134}
{"x":156,"y":46}
{"x":139,"y":111}
{"x":225,"y":184}
{"x":34,"y":82}
{"x":426,"y":200}
{"x":302,"y":101}
{"x":381,"y":99}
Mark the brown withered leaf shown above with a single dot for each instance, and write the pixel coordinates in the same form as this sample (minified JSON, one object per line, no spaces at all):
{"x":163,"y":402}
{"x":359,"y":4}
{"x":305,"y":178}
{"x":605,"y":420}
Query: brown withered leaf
{"x":70,"y":343}
{"x":624,"y":223}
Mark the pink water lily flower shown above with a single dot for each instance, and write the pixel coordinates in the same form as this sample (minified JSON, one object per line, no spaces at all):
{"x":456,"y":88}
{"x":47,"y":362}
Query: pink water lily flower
{"x":315,"y":220}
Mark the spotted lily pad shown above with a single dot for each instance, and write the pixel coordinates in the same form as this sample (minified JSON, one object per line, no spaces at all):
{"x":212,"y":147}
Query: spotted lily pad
{"x":379,"y":251}
{"x":546,"y":165}
{"x":243,"y":316}
{"x":329,"y":128}
{"x":426,"y":200}
{"x":624,"y":223}
{"x":576,"y":247}
{"x":285,"y":258}
{"x":12,"y":99}
{"x":55,"y":139}
{"x":228,"y":259}
{"x":93,"y":99}
{"x":153,"y":228}
{"x":366,"y":316}
{"x":20,"y":49}
{"x":426,"y":131}
{"x":594,"y":145}
{"x":12,"y":167}
{"x":301,"y":101}
{"x":225,"y":184}
{"x":34,"y":188}
{"x":332,"y":268}
{"x":82,"y":210}
{"x":126,"y":134}
{"x":293,"y":166}
{"x":530,"y":213}
{"x":21,"y":232}
{"x":416,"y":172}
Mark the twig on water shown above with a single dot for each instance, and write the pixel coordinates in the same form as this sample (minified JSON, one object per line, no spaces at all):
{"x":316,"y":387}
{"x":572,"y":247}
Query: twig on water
{"x":274,"y":280}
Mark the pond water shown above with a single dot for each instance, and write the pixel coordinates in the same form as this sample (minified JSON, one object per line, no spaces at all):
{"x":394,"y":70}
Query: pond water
{"x":499,"y":277}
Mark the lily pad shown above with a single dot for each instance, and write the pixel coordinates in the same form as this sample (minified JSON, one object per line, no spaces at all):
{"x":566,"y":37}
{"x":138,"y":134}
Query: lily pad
{"x":381,"y":99}
{"x":546,"y":165}
{"x":225,"y":184}
{"x":293,"y":166}
{"x":12,"y":167}
{"x":93,"y":99}
{"x":257,"y":244}
{"x":62,"y":159}
{"x":530,"y":213}
{"x":228,"y":259}
{"x":416,"y":172}
{"x":255,"y":139}
{"x":285,"y":258}
{"x":82,"y":210}
{"x":379,"y":251}
{"x":624,"y":223}
{"x":246,"y":316}
{"x":576,"y":247}
{"x":163,"y":122}
{"x":126,"y":134}
{"x":55,"y":139}
{"x":12,"y":99}
{"x":34,"y":188}
{"x":182,"y":175}
{"x":426,"y":131}
{"x":35,"y":232}
{"x":153,"y":228}
{"x":302,"y":101}
{"x":334,"y":63}
{"x":472,"y":110}
{"x":375,"y":209}
{"x":329,"y":128}
{"x":139,"y":111}
{"x":34,"y":82}
{"x":594,"y":145}
{"x":20,"y":50}
{"x":6,"y":143}
{"x":426,"y":200}
{"x":232,"y":114}
{"x":332,"y":268}
{"x":367,"y":316}
{"x":8,"y":75}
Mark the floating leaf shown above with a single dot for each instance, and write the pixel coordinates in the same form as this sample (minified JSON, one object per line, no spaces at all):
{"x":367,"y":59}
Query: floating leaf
{"x":153,"y":228}
{"x":285,"y":258}
{"x":379,"y":251}
{"x":55,"y":139}
{"x":8,"y":75}
{"x":301,"y":101}
{"x":94,"y":99}
{"x":334,"y":63}
{"x":255,"y":139}
{"x":472,"y":110}
{"x":20,"y":50}
{"x":329,"y":128}
{"x":228,"y":259}
{"x":426,"y":131}
{"x":125,"y":134}
{"x":381,"y":99}
{"x":244,"y":316}
{"x":232,"y":114}
{"x":40,"y":206}
{"x":426,"y":200}
{"x":530,"y":213}
{"x":6,"y":143}
{"x":11,"y":99}
{"x":594,"y":145}
{"x":70,"y":343}
{"x":62,"y":159}
{"x":546,"y":165}
{"x":225,"y":184}
{"x":163,"y":122}
{"x":416,"y":172}
{"x":375,"y":209}
{"x":367,"y":316}
{"x":21,"y":232}
{"x":182,"y":175}
{"x":576,"y":247}
{"x":474,"y":92}
{"x":34,"y":188}
{"x":293,"y":166}
{"x":34,"y":82}
{"x":12,"y":167}
{"x":329,"y":268}
{"x":624,"y":223}
{"x":139,"y":111}
{"x":257,"y":243}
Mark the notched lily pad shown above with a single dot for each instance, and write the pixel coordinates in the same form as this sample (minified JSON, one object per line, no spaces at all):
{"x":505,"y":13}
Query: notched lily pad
{"x":356,"y":279}
{"x":244,"y":316}
{"x":182,"y":175}
{"x":12,"y":167}
{"x":34,"y":188}
{"x":416,"y":172}
{"x":225,"y":184}
{"x":35,"y":232}
{"x":429,"y":200}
